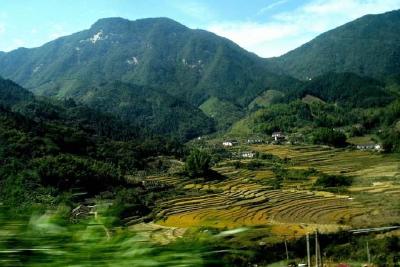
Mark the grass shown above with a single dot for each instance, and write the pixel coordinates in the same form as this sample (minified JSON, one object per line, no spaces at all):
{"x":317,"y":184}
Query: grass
{"x":266,"y":99}
{"x":225,"y":113}
{"x":359,"y":140}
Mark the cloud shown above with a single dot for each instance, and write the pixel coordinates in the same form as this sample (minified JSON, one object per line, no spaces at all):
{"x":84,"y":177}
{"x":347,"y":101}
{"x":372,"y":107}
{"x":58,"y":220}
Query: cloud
{"x":13,"y":44}
{"x":321,"y":15}
{"x":271,"y":6}
{"x":195,"y":9}
{"x":57,"y":30}
{"x":288,"y":30}
{"x":263,"y":39}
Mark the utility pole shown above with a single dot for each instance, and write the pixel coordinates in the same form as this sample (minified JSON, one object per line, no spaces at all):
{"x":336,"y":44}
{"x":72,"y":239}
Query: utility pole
{"x":308,"y":250}
{"x":287,"y":252}
{"x":368,"y":254}
{"x":316,"y":248}
{"x":321,"y":262}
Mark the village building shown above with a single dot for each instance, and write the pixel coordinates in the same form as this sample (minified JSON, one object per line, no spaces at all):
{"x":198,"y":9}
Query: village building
{"x":369,"y":146}
{"x":247,"y":154}
{"x":278,"y":136}
{"x":366,"y":146}
{"x":230,"y":143}
{"x":255,"y":141}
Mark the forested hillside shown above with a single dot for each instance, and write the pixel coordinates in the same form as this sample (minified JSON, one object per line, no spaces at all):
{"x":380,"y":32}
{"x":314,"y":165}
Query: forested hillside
{"x":368,"y":46}
{"x":49,"y":150}
{"x":161,"y":53}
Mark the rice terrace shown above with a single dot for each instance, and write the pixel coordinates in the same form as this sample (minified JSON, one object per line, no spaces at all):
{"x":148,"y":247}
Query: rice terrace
{"x":247,"y":198}
{"x":200,"y":133}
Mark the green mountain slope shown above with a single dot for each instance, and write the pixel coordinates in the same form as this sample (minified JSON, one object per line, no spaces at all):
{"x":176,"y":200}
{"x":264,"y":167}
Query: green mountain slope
{"x":12,"y":94}
{"x":45,"y":160}
{"x":265,"y":99}
{"x":149,"y":108}
{"x":347,"y":89}
{"x":161,"y":53}
{"x":367,"y":46}
{"x":225,"y":113}
{"x":15,"y":99}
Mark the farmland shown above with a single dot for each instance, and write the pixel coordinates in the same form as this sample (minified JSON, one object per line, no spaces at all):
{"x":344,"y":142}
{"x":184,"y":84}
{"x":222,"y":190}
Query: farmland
{"x":247,"y":196}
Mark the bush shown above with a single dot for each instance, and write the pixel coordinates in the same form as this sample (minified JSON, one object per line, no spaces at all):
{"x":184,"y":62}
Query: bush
{"x":390,"y":141}
{"x":254,"y":165}
{"x":198,"y":163}
{"x":333,"y":181}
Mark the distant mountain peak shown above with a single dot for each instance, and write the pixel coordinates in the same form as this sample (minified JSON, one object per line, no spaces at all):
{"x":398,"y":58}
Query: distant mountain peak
{"x":117,"y":23}
{"x":104,"y":21}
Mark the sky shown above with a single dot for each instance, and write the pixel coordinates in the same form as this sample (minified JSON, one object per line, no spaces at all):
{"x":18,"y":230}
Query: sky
{"x":266,"y":27}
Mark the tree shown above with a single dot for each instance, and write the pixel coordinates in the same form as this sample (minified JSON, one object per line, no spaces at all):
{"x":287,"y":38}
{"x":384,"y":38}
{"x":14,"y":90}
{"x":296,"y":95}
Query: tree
{"x":326,"y":136}
{"x":333,"y":181}
{"x":65,"y":172}
{"x":198,"y":163}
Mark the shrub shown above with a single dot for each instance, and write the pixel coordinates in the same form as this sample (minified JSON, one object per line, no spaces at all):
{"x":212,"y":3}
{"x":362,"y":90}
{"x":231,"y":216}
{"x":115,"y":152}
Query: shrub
{"x":254,"y":165}
{"x":333,"y":181}
{"x":198,"y":163}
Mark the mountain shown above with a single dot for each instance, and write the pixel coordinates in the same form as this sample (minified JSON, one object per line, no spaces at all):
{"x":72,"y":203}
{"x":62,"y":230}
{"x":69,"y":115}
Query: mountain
{"x":347,"y":89}
{"x":45,"y":160}
{"x":12,"y":94}
{"x":161,"y":53}
{"x":17,"y":100}
{"x":148,"y":108}
{"x":368,"y":46}
{"x":184,"y":82}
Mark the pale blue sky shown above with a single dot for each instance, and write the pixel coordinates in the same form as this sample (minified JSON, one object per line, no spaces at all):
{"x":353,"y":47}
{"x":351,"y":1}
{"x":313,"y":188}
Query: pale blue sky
{"x":266,"y":27}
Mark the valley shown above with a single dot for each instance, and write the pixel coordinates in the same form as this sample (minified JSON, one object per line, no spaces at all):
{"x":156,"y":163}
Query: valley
{"x":148,"y":143}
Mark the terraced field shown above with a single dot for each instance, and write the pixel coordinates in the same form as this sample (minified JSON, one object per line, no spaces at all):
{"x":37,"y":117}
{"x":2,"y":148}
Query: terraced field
{"x":244,"y":198}
{"x":240,"y":202}
{"x":337,"y":161}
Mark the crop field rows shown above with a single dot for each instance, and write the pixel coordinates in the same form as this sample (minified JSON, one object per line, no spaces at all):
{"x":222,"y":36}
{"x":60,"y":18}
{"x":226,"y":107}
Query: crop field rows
{"x":336,"y":161}
{"x":244,"y":199}
{"x":241,"y":202}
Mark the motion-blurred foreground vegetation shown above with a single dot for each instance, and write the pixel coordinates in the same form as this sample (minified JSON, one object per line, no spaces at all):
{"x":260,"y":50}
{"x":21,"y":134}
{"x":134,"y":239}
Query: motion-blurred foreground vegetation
{"x":51,"y":239}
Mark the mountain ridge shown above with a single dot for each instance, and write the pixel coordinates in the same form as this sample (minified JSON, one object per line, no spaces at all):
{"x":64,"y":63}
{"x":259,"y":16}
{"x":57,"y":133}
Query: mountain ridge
{"x":198,"y":70}
{"x":155,"y":52}
{"x":368,"y":46}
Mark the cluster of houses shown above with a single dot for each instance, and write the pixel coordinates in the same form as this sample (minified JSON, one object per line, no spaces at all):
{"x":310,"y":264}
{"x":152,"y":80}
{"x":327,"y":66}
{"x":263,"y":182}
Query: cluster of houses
{"x":277,"y":137}
{"x":280,"y":137}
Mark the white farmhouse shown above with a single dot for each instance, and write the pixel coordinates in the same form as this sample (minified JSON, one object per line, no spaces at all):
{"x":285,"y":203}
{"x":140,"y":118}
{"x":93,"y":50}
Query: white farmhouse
{"x":277,"y":136}
{"x":230,"y":143}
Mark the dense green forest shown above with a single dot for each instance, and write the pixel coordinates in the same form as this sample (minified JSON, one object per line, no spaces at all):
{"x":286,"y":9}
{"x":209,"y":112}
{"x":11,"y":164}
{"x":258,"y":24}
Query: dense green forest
{"x":49,"y":151}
